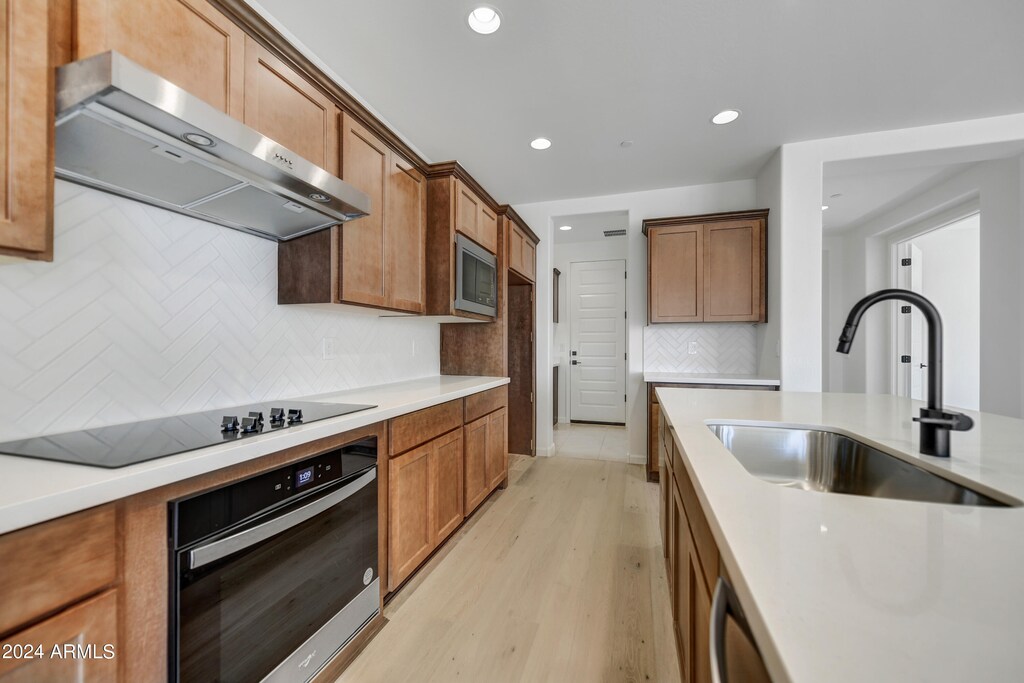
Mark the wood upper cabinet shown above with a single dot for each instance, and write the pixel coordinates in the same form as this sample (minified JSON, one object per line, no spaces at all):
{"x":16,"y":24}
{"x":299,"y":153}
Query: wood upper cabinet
{"x":522,"y":253}
{"x":188,"y":42}
{"x":366,"y":164}
{"x":474,"y":219}
{"x":676,"y":277}
{"x":287,"y":108}
{"x":378,"y":260}
{"x":405,"y":241}
{"x":733,"y":267}
{"x":26,"y":129}
{"x":90,"y":623}
{"x":706,"y":268}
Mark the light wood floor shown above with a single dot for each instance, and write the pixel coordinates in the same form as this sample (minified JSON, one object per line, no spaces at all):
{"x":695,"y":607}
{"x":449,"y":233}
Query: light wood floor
{"x":558,"y":578}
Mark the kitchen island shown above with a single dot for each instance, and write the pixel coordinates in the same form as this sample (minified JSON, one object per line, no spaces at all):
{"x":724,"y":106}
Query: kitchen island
{"x":850,"y":588}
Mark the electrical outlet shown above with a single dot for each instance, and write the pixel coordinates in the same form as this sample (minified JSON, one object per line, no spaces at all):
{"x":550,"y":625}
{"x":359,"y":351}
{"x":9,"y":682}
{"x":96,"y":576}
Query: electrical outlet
{"x":692,"y":348}
{"x":328,"y":347}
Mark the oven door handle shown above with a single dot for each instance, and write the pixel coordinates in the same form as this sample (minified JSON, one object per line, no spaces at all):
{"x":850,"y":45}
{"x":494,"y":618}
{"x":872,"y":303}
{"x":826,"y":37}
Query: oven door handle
{"x":204,"y":555}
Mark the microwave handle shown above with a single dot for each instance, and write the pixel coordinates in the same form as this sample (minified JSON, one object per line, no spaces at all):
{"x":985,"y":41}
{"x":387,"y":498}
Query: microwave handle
{"x":211,"y":552}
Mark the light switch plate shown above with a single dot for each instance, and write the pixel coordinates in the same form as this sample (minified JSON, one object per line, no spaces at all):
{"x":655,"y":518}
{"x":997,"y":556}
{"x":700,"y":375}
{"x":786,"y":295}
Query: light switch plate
{"x":692,"y":348}
{"x":329,"y":344}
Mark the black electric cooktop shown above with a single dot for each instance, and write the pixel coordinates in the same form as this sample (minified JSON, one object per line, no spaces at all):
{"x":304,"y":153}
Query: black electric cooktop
{"x":127,"y":444}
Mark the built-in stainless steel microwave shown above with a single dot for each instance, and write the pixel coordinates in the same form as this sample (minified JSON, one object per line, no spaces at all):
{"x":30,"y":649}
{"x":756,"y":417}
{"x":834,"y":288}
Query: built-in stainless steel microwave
{"x":476,"y":278}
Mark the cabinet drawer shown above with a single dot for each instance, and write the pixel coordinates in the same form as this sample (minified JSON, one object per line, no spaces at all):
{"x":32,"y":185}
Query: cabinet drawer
{"x":478,"y":405}
{"x":409,"y":431}
{"x":91,"y":623}
{"x":51,"y":565}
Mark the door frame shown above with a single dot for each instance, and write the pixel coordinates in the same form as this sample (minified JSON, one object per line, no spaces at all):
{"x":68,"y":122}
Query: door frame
{"x":625,"y":367}
{"x":907,"y":233}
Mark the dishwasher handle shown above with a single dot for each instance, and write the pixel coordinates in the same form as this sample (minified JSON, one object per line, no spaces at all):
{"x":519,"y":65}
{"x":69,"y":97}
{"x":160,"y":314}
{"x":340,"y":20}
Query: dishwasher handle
{"x":219,"y":549}
{"x":751,"y":666}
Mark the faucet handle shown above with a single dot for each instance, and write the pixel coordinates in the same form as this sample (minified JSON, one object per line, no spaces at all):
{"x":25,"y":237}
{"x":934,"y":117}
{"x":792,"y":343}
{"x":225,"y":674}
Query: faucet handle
{"x":958,"y":422}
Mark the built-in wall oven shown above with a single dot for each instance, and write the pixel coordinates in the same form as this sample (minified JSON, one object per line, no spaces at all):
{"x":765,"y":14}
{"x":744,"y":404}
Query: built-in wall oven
{"x":272,"y":575}
{"x":476,"y":278}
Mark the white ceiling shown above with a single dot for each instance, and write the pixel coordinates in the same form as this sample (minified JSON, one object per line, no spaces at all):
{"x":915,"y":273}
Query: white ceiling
{"x":589,"y":227}
{"x":871,"y":186}
{"x":590,"y":73}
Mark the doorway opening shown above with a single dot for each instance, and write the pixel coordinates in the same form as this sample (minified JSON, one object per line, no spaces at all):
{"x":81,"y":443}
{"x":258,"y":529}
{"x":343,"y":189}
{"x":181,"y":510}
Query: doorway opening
{"x":943,"y":264}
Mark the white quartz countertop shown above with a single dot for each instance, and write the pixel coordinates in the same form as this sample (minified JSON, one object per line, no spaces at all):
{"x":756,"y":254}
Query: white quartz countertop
{"x":709,"y":378}
{"x":33,"y":491}
{"x":851,"y":588}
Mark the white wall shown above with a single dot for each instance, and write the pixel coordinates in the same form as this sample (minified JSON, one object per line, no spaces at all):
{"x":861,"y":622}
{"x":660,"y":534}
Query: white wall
{"x":145,"y":313}
{"x":769,"y":335}
{"x":994,"y":187}
{"x":605,"y":249}
{"x":678,"y":201}
{"x":801,"y":241}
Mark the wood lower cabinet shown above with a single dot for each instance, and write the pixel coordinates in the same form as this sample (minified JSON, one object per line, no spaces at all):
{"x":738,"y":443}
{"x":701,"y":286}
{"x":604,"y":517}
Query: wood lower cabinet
{"x":486,"y":457}
{"x":446,"y":485}
{"x":709,"y":268}
{"x":26,"y":129}
{"x":410,"y":525}
{"x":188,"y":42}
{"x":284,"y":106}
{"x":425,"y":503}
{"x":85,"y":638}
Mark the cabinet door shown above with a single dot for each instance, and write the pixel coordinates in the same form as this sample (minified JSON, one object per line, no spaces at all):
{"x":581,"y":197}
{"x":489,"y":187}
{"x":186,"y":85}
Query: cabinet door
{"x":446,"y":485}
{"x":515,"y":249}
{"x":497,"y":448}
{"x":188,"y":42}
{"x":529,"y":260}
{"x":467,"y":211}
{"x":26,"y":130}
{"x":365,"y":163}
{"x":410,"y":527}
{"x":487,"y":229}
{"x":700,"y":625}
{"x":475,"y":452}
{"x":285,"y":107}
{"x":675,"y":274}
{"x":732,"y":271}
{"x":93,"y":622}
{"x":405,"y":239}
{"x":680,"y":580}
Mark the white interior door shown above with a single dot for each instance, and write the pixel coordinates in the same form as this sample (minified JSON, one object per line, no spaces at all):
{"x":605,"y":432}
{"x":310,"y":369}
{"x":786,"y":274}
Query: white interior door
{"x":911,"y":376}
{"x":597,"y":341}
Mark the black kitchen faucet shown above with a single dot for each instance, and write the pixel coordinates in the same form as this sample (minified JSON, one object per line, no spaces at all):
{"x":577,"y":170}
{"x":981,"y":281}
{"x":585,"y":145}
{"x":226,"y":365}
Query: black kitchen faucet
{"x":936,"y":423}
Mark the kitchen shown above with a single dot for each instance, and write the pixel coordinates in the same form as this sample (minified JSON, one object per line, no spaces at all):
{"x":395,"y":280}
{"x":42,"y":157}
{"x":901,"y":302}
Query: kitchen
{"x":292,"y":396}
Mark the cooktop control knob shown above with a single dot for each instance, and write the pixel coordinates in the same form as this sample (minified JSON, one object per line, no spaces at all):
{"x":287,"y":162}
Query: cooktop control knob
{"x":257,"y":416}
{"x":250,"y":425}
{"x":294,"y":415}
{"x":276,"y":415}
{"x":229,"y":423}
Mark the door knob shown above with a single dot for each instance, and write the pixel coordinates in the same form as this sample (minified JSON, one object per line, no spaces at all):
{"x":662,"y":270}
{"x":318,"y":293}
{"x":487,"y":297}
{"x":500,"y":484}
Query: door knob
{"x":923,"y":365}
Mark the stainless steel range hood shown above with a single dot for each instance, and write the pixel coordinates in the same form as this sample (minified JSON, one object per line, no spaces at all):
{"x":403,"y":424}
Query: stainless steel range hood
{"x":123,"y":129}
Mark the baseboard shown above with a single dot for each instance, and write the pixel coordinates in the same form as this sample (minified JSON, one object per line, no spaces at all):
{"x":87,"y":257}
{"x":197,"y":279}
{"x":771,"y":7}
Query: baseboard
{"x":637,"y":459}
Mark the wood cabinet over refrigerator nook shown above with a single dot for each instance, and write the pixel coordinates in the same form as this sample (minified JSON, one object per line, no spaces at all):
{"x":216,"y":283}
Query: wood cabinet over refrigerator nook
{"x":708,"y":268}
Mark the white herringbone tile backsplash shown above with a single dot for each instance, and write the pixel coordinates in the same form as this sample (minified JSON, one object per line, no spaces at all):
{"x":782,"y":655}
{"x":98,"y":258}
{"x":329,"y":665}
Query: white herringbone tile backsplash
{"x":145,"y":313}
{"x":724,"y":348}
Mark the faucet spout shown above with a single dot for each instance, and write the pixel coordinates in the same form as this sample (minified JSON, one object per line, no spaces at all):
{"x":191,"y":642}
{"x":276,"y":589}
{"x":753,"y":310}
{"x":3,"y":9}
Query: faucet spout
{"x":935,"y":422}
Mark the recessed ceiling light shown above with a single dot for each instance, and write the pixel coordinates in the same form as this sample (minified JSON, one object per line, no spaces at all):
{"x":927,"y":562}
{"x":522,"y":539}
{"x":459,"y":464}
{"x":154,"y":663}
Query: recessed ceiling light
{"x":824,"y":207}
{"x":540,"y":143}
{"x":565,"y":227}
{"x":484,"y":20}
{"x":725,"y":116}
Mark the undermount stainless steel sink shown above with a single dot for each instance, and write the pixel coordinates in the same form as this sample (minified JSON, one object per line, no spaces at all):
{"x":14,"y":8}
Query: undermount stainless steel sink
{"x":820,"y":460}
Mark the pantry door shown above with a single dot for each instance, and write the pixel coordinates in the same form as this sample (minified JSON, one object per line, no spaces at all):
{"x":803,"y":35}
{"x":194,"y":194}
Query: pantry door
{"x":597,"y":337}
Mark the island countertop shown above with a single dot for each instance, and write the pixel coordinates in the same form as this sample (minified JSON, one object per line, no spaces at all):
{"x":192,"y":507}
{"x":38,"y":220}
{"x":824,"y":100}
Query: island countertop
{"x":850,"y":588}
{"x":33,"y":491}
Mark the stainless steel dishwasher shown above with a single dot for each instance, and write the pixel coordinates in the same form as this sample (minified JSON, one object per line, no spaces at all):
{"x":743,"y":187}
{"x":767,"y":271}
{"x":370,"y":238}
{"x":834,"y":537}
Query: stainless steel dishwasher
{"x":272,"y":575}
